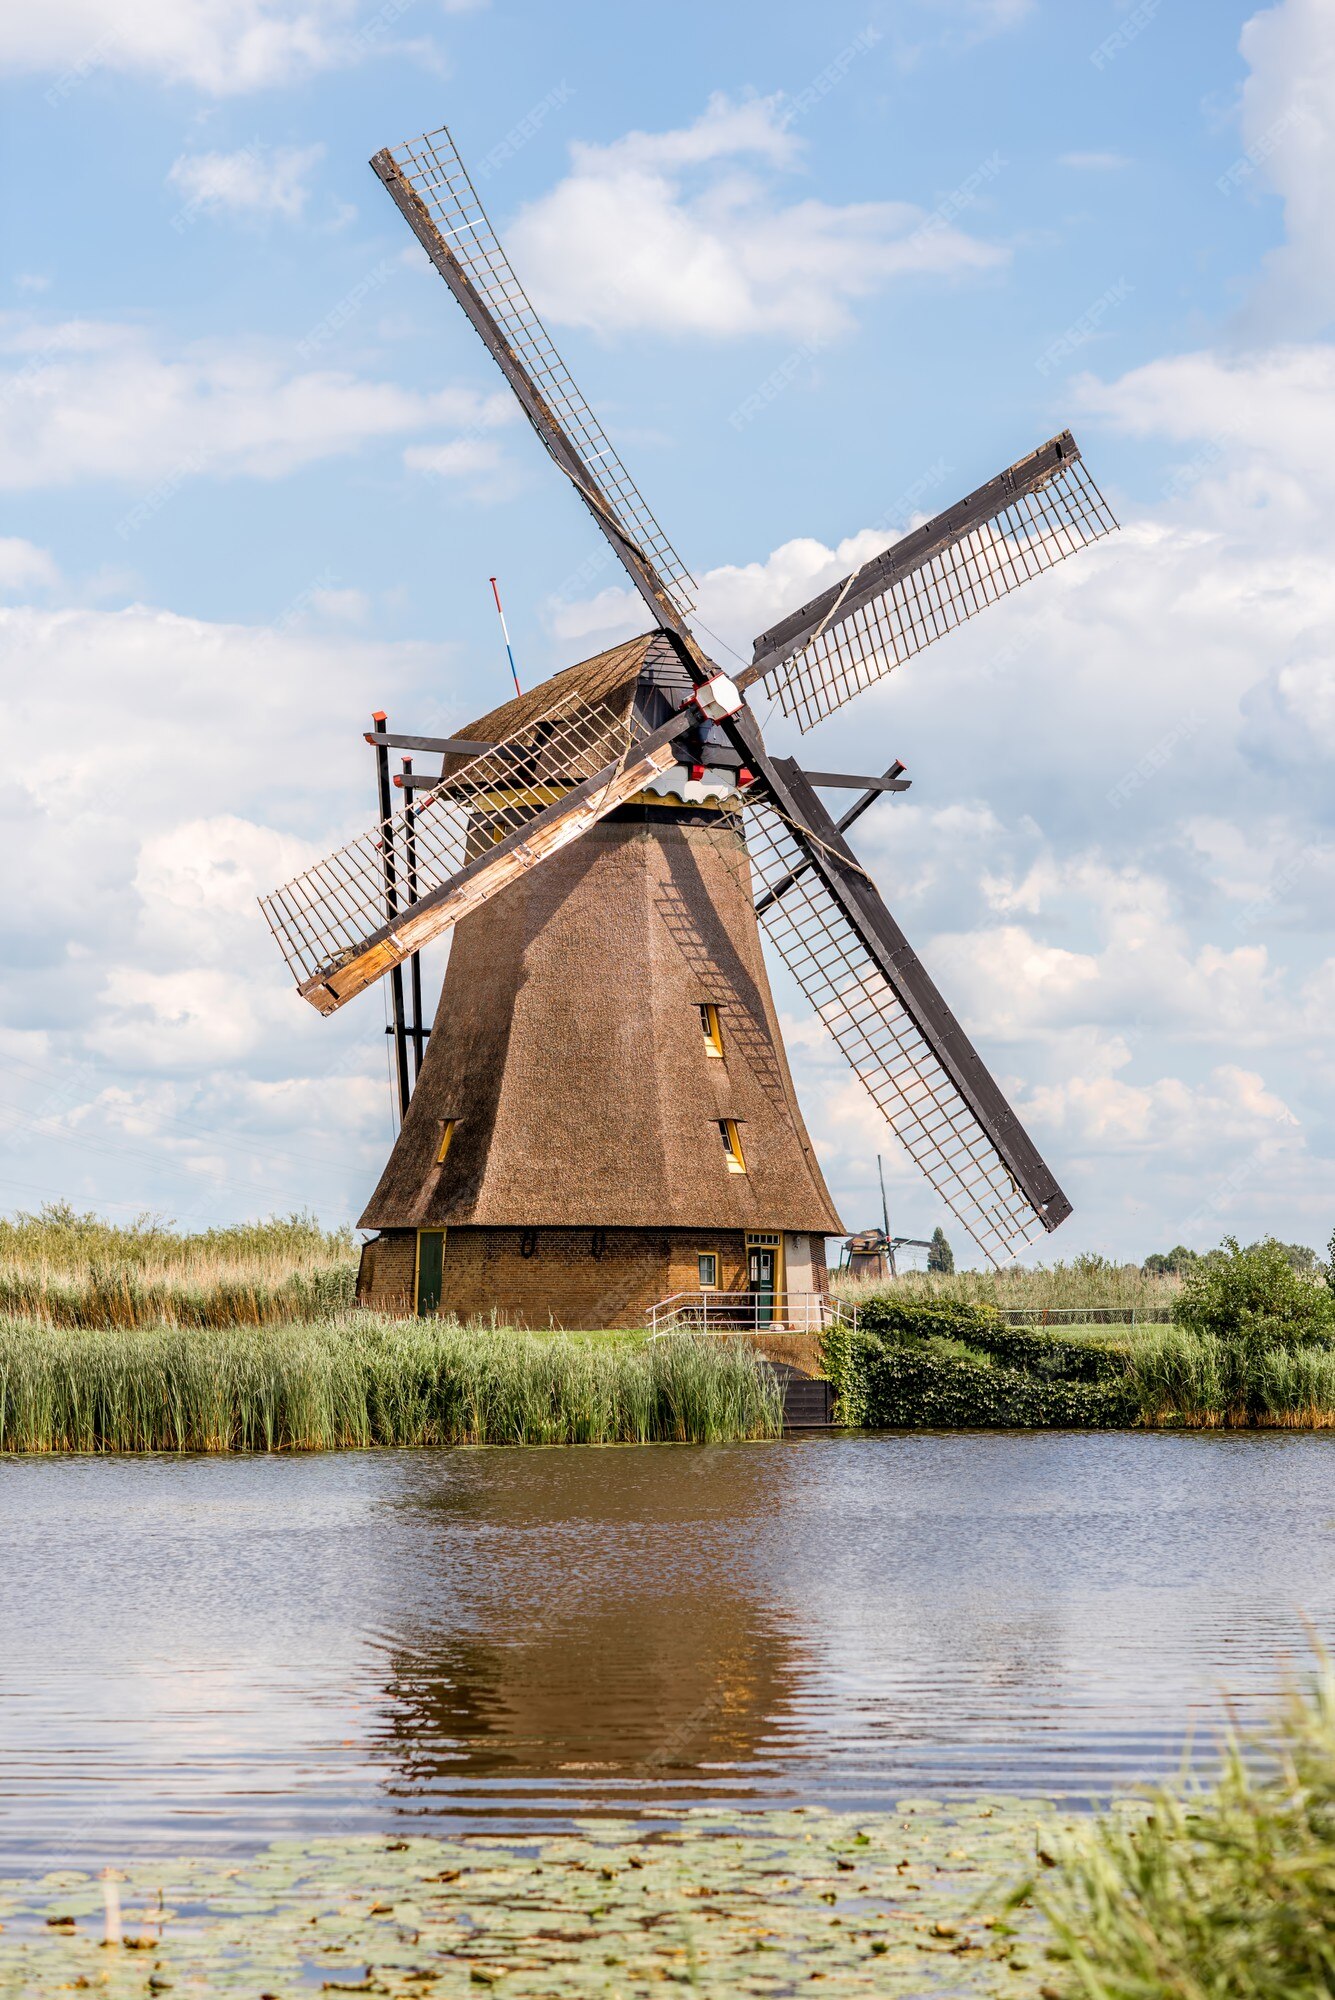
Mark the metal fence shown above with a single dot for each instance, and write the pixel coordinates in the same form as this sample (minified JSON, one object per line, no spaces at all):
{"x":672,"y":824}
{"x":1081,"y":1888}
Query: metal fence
{"x":1086,"y":1315}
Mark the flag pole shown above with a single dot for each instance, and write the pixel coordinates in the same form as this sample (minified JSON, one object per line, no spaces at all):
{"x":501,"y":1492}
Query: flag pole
{"x":505,"y":634}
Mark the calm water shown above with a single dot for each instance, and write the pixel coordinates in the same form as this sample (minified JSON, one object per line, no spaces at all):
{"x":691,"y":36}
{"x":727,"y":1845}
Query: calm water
{"x":223,"y":1651}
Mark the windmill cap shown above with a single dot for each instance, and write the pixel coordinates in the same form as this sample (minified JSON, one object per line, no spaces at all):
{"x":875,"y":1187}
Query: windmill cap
{"x":719,"y":697}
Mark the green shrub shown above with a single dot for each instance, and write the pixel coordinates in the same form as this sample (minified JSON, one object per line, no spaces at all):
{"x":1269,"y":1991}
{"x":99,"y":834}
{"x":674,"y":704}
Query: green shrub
{"x":982,"y":1328}
{"x":936,"y":1381}
{"x":1049,"y":1354}
{"x":844,"y":1358}
{"x":952,"y":1319}
{"x":939,"y":1389}
{"x":1226,"y":1893}
{"x":1255,"y":1293}
{"x":1250,"y":1303}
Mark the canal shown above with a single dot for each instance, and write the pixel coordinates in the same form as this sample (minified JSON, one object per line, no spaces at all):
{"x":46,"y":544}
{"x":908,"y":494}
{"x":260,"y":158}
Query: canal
{"x":220,"y":1652}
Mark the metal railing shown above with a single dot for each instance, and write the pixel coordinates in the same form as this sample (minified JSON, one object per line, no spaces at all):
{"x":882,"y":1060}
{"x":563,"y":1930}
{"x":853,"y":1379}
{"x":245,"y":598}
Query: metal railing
{"x":725,"y":1313}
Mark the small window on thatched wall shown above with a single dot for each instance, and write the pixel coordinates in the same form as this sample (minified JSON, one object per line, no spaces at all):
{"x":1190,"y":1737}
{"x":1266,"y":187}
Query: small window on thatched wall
{"x":732,"y":1145}
{"x":446,"y":1134}
{"x":713,"y":1029}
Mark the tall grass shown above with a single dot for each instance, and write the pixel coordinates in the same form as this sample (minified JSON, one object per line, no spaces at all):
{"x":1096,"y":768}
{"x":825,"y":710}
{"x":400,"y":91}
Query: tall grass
{"x":1225,"y":1893}
{"x":363,"y":1380}
{"x":58,"y":1237}
{"x":1086,"y":1281}
{"x":127,"y":1295}
{"x":77,"y":1270}
{"x":1180,"y":1376}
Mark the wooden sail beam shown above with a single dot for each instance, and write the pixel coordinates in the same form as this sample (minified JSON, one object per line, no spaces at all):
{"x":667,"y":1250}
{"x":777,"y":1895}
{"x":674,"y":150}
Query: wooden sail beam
{"x":545,"y":834}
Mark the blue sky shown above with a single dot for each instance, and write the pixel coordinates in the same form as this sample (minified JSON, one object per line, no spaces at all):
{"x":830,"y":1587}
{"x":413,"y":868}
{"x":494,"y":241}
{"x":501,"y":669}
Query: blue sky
{"x":256,"y":471}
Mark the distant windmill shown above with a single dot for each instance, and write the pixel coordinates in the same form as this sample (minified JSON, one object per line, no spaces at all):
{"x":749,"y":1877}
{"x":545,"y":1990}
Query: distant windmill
{"x":605,"y":1093}
{"x":871,"y":1252}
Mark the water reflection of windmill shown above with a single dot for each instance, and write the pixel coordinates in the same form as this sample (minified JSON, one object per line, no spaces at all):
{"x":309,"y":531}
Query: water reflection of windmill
{"x":604,"y":1114}
{"x":554,"y":1642}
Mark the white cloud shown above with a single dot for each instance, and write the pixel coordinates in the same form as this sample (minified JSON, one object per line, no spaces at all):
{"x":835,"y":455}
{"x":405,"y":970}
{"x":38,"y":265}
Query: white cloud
{"x":176,"y":1042}
{"x":1233,"y":1109}
{"x":1288,"y":130}
{"x":219,"y":46}
{"x":197,"y":882}
{"x":684,"y":232}
{"x":258,"y":180}
{"x":1094,"y":163}
{"x":449,"y":461}
{"x":88,"y":400}
{"x":23,"y":566}
{"x":1266,"y":416}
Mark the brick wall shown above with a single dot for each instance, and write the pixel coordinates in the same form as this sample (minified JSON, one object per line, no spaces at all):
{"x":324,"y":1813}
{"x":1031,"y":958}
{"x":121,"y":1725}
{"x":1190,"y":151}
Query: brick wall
{"x":576,"y":1278}
{"x":387,"y":1273}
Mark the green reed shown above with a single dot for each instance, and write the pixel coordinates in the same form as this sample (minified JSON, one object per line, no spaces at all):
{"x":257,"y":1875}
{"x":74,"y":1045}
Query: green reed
{"x":358,"y":1379}
{"x":1200,"y":1380}
{"x":77,"y":1270}
{"x":1222,"y":1892}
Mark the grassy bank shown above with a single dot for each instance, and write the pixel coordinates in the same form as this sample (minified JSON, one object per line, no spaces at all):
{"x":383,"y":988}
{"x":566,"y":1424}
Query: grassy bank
{"x":1087,"y":1282}
{"x":1154,"y":1377}
{"x":356,"y":1380}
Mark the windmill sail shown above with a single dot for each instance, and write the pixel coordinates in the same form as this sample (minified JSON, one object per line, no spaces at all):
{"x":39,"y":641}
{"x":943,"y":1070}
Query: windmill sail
{"x":431,"y":186}
{"x":1021,"y":523}
{"x":489,"y":820}
{"x":896,"y":1033}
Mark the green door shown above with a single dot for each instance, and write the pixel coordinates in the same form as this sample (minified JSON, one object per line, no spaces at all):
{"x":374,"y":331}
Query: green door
{"x":430,"y":1264}
{"x":760,"y":1270}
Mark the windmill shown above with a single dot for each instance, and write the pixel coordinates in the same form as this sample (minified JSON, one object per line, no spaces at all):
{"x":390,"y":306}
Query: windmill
{"x":606,"y":849}
{"x":870,"y":1253}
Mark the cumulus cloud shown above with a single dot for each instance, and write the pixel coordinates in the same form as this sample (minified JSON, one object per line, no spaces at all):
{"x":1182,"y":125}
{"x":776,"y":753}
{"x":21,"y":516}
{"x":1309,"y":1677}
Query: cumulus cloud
{"x":1265,"y":417}
{"x":685,"y":232}
{"x":173,"y":1042}
{"x":91,"y":400}
{"x":23,"y":566}
{"x":218,"y":46}
{"x":1288,"y":131}
{"x":254,"y":182}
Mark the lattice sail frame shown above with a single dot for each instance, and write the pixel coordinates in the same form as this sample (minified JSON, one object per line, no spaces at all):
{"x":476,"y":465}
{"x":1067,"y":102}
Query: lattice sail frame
{"x":886,"y":1050}
{"x":331,"y":914}
{"x":1031,"y":533}
{"x":432,"y":167}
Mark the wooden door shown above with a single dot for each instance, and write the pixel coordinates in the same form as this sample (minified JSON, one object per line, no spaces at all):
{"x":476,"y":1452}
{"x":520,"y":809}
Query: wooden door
{"x":760,"y":1278}
{"x":430,"y":1269}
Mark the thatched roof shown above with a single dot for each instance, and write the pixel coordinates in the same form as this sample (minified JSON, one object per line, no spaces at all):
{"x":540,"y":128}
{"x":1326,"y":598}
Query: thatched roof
{"x":569,"y":1048}
{"x":604,"y":677}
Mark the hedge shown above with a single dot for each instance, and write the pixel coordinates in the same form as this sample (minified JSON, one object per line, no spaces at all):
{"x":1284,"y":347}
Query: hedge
{"x":942,"y":1365}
